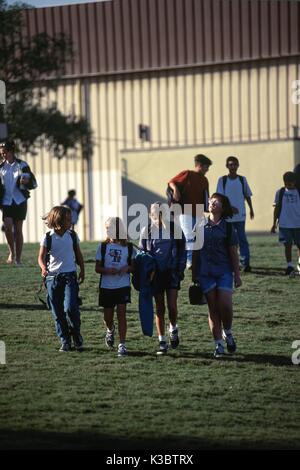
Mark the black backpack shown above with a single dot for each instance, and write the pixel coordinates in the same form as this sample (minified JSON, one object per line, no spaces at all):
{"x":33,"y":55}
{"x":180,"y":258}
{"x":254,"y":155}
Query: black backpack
{"x":281,"y":193}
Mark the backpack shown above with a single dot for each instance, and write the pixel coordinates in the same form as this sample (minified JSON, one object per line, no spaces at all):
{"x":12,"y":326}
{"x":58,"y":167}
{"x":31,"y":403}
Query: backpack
{"x":49,"y":243}
{"x":170,"y":193}
{"x":224,"y":181}
{"x":281,"y":193}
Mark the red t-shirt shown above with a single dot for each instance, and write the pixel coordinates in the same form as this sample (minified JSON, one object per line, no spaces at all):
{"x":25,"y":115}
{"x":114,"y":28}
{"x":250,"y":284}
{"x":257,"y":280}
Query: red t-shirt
{"x":194,"y":186}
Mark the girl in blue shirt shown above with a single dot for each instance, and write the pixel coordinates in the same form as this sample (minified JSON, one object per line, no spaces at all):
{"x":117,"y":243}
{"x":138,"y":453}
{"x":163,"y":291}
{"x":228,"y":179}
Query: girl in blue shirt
{"x":217,"y":267}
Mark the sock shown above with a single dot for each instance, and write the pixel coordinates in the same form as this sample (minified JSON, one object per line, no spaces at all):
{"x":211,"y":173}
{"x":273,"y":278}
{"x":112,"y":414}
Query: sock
{"x":110,"y":331}
{"x":172,"y":328}
{"x":228,"y":332}
{"x":299,"y":261}
{"x":161,"y":338}
{"x":219,"y":341}
{"x":290,"y":264}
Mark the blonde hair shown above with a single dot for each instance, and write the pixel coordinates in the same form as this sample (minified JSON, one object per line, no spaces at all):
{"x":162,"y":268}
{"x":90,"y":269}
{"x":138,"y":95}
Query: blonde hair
{"x":56,"y":217}
{"x":120,"y":233}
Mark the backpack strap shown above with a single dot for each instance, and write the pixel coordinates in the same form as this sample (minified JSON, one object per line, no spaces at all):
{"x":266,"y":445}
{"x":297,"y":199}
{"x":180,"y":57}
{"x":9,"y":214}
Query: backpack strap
{"x":74,"y":240}
{"x":130,"y":250}
{"x":241,"y":178}
{"x":224,"y":181}
{"x":103,"y":252}
{"x":48,"y":247}
{"x":49,"y":244}
{"x":280,"y":199}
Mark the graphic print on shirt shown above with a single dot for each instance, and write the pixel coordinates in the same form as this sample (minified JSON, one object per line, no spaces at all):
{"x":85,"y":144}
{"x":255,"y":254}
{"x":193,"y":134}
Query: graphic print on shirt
{"x":290,"y":198}
{"x":115,"y":254}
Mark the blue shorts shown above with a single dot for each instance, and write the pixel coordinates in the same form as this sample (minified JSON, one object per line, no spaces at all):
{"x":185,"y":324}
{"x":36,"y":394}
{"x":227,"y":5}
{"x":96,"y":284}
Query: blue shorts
{"x":288,"y":236}
{"x":223,"y":282}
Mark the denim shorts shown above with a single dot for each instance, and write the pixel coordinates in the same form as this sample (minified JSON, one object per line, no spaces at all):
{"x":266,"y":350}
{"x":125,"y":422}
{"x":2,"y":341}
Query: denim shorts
{"x":288,"y":236}
{"x":223,"y":282}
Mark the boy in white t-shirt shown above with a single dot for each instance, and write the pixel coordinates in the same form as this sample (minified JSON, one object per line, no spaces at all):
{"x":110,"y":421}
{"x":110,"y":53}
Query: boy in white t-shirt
{"x":236,"y":188}
{"x":287,"y":215}
{"x":59,"y":253}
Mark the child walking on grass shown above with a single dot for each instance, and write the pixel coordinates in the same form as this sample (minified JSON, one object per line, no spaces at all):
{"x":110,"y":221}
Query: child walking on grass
{"x":114,"y":261}
{"x":170,"y":256}
{"x":58,"y":255}
{"x":217,"y":267}
{"x":287,"y":215}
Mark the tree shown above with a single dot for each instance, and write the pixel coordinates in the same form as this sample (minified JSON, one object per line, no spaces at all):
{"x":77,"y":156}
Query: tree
{"x":30,"y":66}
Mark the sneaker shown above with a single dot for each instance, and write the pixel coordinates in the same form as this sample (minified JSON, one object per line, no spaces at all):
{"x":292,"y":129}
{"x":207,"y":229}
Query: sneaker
{"x":174,"y":339}
{"x":65,"y":347}
{"x":122,"y":351}
{"x":162,"y":349}
{"x":290,"y":271}
{"x":230,"y":343}
{"x":219,"y":351}
{"x":110,"y":338}
{"x":78,"y":342}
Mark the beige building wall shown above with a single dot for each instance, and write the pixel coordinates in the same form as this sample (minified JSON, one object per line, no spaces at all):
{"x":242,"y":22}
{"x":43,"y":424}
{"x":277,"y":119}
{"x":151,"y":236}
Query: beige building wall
{"x":186,"y":110}
{"x":262,"y":164}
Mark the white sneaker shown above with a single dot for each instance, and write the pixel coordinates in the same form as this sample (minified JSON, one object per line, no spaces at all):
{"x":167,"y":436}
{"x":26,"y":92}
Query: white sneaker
{"x":122,"y":351}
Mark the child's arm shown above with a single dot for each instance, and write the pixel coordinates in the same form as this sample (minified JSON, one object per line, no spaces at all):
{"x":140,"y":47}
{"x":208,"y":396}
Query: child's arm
{"x":80,"y":262}
{"x":275,"y":218}
{"x":249,"y":201}
{"x":233,"y":254}
{"x":42,"y":260}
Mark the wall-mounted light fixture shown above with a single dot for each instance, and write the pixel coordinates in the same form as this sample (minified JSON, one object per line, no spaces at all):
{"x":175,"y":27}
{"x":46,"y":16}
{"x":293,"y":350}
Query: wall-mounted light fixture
{"x":144,"y":132}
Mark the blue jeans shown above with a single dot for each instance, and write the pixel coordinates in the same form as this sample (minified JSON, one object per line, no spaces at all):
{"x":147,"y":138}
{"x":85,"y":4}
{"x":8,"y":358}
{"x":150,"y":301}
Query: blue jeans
{"x":62,"y":298}
{"x":243,"y":242}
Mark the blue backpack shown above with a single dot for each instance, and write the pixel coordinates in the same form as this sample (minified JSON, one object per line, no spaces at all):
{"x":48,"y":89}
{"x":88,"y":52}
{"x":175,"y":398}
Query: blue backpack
{"x":144,"y":271}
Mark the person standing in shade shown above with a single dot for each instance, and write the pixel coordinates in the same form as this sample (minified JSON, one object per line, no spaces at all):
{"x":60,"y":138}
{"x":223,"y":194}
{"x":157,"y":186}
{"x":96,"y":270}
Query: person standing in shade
{"x":236,"y":188}
{"x":16,"y":181}
{"x":191,"y":187}
{"x":74,"y":205}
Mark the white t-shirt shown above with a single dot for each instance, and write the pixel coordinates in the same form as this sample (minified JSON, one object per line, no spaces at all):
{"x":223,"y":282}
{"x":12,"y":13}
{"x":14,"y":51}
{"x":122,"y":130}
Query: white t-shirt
{"x":62,"y":256}
{"x":10,"y":174}
{"x":290,"y":211}
{"x":116,"y":256}
{"x":236,"y":196}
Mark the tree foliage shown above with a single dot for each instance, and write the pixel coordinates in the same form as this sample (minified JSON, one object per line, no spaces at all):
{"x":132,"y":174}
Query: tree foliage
{"x":30,"y":66}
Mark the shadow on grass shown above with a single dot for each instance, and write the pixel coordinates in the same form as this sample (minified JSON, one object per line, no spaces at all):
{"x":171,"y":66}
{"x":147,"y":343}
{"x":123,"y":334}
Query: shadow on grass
{"x":265,"y":271}
{"x":23,"y":306}
{"x":274,"y":360}
{"x":28,"y":439}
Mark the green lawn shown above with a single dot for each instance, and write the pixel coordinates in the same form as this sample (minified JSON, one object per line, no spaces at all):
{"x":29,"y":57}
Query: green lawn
{"x":95,"y":400}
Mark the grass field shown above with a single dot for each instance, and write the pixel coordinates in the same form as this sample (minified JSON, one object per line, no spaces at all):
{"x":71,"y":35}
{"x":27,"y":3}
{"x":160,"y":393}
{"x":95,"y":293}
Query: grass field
{"x":186,"y":400}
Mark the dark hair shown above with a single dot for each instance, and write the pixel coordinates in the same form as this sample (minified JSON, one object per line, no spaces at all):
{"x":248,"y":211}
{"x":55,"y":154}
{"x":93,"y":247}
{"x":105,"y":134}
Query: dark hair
{"x":232,"y":159}
{"x":289,"y":177}
{"x":226,"y":206}
{"x":202,"y":159}
{"x":71,"y":193}
{"x":8,"y":145}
